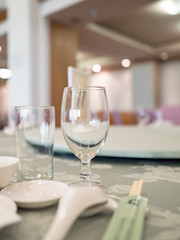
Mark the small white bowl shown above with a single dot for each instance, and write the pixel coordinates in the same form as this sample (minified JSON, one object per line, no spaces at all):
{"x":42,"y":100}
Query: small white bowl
{"x":7,"y":169}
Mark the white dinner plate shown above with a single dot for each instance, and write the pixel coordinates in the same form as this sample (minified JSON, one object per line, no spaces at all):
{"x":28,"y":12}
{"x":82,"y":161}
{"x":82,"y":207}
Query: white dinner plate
{"x":35,"y":193}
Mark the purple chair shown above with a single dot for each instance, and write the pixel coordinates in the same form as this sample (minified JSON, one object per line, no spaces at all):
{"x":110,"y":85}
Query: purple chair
{"x":171,"y":113}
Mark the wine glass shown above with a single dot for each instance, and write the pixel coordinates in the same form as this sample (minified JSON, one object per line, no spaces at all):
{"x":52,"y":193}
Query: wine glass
{"x":85,"y":124}
{"x":143,"y":116}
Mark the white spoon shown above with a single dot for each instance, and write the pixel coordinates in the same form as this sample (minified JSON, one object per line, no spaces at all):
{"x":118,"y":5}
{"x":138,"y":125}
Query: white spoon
{"x":71,"y":205}
{"x":110,"y":206}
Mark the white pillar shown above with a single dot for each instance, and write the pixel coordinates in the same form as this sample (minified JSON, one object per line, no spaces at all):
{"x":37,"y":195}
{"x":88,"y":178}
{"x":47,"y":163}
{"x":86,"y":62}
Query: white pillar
{"x":44,"y":80}
{"x":23,"y":52}
{"x":28,"y":50}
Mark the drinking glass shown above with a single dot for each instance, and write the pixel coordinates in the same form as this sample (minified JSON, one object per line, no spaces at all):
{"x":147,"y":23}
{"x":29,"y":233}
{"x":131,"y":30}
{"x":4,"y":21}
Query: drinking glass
{"x":34,"y":130}
{"x":85,"y":124}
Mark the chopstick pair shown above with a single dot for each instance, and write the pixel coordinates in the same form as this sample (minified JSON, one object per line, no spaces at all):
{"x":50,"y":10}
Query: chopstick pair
{"x":127,"y":221}
{"x":136,"y":188}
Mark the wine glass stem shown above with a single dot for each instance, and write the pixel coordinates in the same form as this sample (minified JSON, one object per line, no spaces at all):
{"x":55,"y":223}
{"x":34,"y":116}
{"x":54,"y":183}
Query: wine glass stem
{"x":86,"y":173}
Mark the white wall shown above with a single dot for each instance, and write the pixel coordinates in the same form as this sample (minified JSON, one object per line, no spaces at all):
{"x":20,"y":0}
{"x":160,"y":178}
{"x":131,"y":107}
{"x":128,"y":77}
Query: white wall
{"x":129,"y":88}
{"x":118,"y":86}
{"x":143,"y":80}
{"x":170,"y":83}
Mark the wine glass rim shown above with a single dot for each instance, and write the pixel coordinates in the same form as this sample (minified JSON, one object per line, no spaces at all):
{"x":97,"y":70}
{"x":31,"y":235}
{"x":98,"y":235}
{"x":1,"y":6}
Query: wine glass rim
{"x":85,"y":87}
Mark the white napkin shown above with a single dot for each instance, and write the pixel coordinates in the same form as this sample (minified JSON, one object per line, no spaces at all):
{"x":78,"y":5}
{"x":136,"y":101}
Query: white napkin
{"x":8,"y":131}
{"x":8,"y":213}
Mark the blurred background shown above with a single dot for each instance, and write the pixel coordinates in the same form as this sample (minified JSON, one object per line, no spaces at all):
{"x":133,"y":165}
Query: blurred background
{"x":130,"y":47}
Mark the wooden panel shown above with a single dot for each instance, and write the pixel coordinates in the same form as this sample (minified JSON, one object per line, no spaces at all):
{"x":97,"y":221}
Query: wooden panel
{"x":128,"y":118}
{"x":64,"y":45}
{"x":3,"y":15}
{"x":124,"y":118}
{"x":156,"y":85}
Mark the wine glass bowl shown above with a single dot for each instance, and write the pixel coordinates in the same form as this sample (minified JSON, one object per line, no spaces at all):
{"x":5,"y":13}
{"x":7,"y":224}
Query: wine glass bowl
{"x":85,"y":124}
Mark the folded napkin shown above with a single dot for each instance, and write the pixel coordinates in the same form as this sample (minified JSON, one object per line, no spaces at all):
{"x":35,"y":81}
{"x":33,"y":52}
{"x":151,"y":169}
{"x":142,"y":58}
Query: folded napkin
{"x":8,"y":213}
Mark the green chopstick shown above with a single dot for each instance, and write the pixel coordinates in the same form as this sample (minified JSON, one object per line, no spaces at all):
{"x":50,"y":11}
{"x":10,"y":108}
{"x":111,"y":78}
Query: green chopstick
{"x":128,"y":219}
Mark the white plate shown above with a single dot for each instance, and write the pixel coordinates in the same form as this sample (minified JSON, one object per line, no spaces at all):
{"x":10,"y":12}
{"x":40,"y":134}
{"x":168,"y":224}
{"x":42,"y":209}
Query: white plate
{"x":8,"y":210}
{"x":152,"y":142}
{"x":35,"y":193}
{"x":8,"y":203}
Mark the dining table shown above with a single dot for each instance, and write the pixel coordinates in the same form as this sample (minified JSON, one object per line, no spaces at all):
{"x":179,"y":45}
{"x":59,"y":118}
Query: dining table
{"x":151,"y":154}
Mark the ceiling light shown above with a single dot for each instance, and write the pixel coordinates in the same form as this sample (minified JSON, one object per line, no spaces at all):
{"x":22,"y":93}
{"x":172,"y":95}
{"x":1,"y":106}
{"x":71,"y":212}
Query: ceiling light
{"x":96,"y":68}
{"x":5,"y":73}
{"x":171,"y":7}
{"x":126,"y":63}
{"x":164,"y":56}
{"x":0,"y":48}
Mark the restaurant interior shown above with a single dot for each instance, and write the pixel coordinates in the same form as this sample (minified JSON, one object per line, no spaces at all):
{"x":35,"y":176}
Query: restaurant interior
{"x":128,"y":52}
{"x":134,"y":46}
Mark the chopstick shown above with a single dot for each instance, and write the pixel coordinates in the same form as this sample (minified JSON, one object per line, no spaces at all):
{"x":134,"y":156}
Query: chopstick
{"x":127,"y":221}
{"x":136,"y":188}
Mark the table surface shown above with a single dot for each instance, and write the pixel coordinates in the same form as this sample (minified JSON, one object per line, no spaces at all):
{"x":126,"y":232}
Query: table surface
{"x":161,"y":187}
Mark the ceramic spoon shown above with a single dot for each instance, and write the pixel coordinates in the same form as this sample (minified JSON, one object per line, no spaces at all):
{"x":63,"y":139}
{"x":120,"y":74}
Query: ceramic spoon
{"x":110,"y":206}
{"x":71,"y":206}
